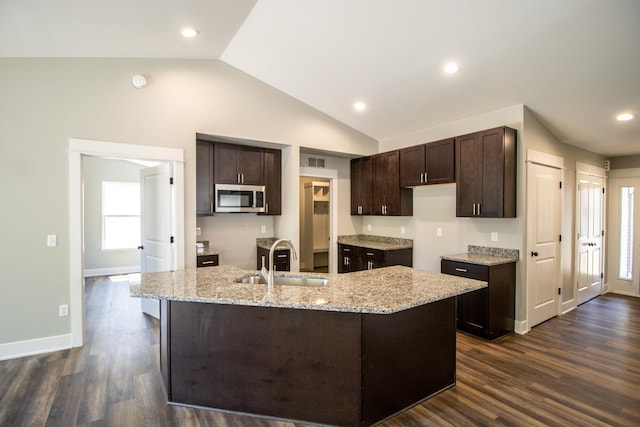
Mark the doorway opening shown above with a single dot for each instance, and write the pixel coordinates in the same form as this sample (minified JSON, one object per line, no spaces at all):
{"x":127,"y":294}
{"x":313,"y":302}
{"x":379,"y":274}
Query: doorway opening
{"x":79,"y":149}
{"x":315,"y":215}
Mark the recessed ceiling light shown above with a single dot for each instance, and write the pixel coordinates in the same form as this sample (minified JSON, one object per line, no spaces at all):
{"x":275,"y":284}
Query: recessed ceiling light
{"x":625,"y":117}
{"x":360,"y":106}
{"x":451,"y":68}
{"x":189,"y":32}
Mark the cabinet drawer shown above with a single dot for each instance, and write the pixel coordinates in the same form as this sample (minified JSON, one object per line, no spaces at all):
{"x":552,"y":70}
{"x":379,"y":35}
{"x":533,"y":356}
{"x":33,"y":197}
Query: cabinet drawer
{"x":463,"y":269}
{"x":207,"y":260}
{"x":349,"y":250}
{"x":372,"y":254}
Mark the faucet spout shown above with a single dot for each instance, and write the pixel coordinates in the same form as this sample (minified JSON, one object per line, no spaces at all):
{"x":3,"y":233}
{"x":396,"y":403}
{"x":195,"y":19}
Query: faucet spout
{"x":269,"y":274}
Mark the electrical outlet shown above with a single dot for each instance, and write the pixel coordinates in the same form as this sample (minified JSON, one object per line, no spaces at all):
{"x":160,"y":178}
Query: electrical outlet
{"x":439,"y":231}
{"x":63,"y":310}
{"x":494,"y":236}
{"x":263,"y":229}
{"x":403,"y":230}
{"x":52,"y":240}
{"x":198,"y":231}
{"x":368,"y":227}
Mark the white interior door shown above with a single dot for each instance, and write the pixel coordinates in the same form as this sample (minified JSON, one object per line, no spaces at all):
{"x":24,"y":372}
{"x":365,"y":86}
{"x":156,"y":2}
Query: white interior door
{"x":543,"y":242}
{"x":589,"y":222}
{"x":157,"y":231}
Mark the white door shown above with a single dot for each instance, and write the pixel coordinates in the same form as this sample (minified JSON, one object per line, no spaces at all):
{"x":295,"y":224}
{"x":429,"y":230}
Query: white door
{"x":624,"y":262}
{"x":589,"y":224}
{"x":543,"y":242}
{"x":157,"y":248}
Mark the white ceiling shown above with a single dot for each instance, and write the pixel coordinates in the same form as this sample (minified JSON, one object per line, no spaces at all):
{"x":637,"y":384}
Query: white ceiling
{"x":574,"y":63}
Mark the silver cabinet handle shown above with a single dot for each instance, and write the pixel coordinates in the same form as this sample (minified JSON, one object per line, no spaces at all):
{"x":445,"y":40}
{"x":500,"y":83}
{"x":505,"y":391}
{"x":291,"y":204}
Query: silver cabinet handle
{"x":421,"y":178}
{"x":281,"y":256}
{"x":207,"y":262}
{"x":211,"y":207}
{"x":369,"y":254}
{"x":463,"y":270}
{"x":426,"y":178}
{"x":474,"y":209}
{"x":478,"y":209}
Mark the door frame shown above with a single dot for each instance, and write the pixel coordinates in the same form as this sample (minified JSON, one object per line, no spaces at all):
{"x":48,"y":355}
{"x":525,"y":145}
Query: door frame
{"x":85,"y":147}
{"x":332,"y":176}
{"x":556,"y":162}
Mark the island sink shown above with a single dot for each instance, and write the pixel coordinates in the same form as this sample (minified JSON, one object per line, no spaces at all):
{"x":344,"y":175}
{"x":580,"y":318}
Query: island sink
{"x":285,"y":280}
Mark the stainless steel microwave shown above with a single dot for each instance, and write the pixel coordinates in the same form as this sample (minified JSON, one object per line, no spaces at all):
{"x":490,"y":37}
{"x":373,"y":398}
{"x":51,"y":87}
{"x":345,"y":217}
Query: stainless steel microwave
{"x":239,"y":198}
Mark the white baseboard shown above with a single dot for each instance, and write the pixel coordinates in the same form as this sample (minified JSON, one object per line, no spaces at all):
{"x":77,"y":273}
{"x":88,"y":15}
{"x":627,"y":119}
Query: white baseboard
{"x":111,"y":271}
{"x":629,"y":294}
{"x":14,"y":350}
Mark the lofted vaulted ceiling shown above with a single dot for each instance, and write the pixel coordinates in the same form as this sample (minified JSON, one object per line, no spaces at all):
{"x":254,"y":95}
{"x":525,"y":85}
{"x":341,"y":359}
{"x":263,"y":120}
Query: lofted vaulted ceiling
{"x":574,"y":63}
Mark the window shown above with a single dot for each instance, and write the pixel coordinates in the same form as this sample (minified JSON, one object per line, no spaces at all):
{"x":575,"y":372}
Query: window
{"x":120,"y":215}
{"x":626,"y":233}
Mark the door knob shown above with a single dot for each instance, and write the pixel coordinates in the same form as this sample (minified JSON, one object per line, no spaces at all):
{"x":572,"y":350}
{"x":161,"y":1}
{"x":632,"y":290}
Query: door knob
{"x":140,"y":247}
{"x":533,"y":253}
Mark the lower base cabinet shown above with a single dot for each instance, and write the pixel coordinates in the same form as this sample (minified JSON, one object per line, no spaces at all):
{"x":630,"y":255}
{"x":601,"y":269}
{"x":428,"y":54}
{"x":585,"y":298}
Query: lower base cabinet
{"x":488,"y":313}
{"x":207,"y":260}
{"x":356,"y":258}
{"x":281,"y":259}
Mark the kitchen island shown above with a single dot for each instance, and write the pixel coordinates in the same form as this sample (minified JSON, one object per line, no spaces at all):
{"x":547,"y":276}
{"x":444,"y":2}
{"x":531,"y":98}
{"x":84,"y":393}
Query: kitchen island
{"x":352,"y":352}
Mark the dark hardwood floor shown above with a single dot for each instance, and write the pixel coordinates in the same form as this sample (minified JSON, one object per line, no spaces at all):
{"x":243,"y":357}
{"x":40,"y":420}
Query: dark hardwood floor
{"x":580,"y":369}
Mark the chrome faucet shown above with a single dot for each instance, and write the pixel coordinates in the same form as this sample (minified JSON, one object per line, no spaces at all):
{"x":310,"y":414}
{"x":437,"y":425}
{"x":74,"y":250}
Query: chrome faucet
{"x":268,"y":275}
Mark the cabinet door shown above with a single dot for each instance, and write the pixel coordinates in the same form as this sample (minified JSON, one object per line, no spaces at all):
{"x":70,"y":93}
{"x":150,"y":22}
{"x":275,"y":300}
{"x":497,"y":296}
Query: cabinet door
{"x":204,"y":178}
{"x":468,"y":175}
{"x":225,"y":164}
{"x":492,"y":152}
{"x":273,"y":181}
{"x":412,"y":166}
{"x":361,"y":186}
{"x":250,"y":165}
{"x":385,"y":180}
{"x":473,"y":310}
{"x":440,"y":162}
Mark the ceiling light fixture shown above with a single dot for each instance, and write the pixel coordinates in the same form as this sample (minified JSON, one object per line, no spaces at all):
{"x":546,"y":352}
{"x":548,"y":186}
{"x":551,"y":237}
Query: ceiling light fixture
{"x":625,"y":117}
{"x":360,"y":106}
{"x":451,"y":68}
{"x":189,"y":32}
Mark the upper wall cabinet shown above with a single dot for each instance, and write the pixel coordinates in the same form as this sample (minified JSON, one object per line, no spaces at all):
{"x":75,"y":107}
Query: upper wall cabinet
{"x":375,"y":186}
{"x":485,"y":172}
{"x":361,"y":186}
{"x":221,"y":163}
{"x":204,"y":178}
{"x":432,"y":163}
{"x":238,"y":164}
{"x":273,"y":182}
{"x":388,"y":197}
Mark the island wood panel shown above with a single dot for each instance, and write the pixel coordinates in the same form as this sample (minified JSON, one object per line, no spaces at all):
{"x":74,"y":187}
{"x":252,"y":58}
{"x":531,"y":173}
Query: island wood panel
{"x":407,"y":357}
{"x":287,"y":363}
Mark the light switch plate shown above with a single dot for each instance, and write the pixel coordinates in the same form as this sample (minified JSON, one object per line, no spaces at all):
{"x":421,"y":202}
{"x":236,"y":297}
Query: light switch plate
{"x":439,"y":231}
{"x":494,"y":236}
{"x":52,"y":240}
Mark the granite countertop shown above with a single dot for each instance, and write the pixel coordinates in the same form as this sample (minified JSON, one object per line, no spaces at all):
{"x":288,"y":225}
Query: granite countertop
{"x":381,"y":291}
{"x":206,"y":249}
{"x":267,"y":242}
{"x":483,"y":255}
{"x":376,"y":242}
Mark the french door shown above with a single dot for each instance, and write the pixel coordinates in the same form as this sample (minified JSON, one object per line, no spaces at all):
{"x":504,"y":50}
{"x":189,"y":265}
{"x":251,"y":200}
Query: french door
{"x":590,"y":231}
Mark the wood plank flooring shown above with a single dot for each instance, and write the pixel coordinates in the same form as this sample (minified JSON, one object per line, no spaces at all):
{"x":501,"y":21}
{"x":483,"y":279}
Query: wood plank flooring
{"x":580,"y":369}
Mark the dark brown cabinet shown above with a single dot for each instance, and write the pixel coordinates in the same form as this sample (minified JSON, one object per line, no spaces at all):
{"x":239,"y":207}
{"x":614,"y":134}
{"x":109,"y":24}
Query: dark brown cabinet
{"x":273,"y":182}
{"x":281,"y":259}
{"x":486,"y":174}
{"x":361,"y":186}
{"x":357,"y":258}
{"x":388,"y":197}
{"x":432,"y":163}
{"x":204,"y":178}
{"x":220,"y":163}
{"x":237,"y":164}
{"x":490,"y":312}
{"x":207,"y":260}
